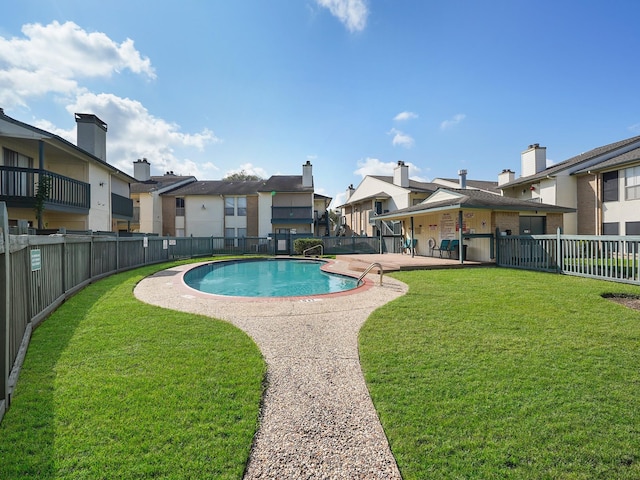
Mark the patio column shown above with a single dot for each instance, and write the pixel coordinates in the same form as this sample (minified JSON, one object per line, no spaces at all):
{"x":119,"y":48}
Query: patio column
{"x":40,"y":155}
{"x":460,"y":245}
{"x":413,"y":253}
{"x":40,"y":177}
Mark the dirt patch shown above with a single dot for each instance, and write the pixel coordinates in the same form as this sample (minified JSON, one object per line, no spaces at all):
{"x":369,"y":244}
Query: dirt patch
{"x":626,"y":299}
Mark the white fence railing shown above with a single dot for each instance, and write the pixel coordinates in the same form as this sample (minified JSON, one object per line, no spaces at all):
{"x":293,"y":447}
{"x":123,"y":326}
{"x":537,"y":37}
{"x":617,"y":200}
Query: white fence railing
{"x":606,"y":257}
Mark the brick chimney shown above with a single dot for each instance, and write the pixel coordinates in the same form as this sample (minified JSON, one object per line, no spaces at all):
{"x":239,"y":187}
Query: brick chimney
{"x":401,"y":175}
{"x":92,"y":135}
{"x":142,"y":170}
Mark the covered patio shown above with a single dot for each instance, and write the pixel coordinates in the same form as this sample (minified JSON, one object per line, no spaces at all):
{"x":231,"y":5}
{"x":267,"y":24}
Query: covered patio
{"x":470,"y":219}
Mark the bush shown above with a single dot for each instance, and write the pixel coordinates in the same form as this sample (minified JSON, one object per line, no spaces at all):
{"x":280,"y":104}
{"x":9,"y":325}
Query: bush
{"x":302,"y":244}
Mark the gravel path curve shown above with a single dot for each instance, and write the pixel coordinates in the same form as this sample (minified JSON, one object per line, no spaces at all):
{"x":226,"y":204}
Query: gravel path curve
{"x":317,"y":419}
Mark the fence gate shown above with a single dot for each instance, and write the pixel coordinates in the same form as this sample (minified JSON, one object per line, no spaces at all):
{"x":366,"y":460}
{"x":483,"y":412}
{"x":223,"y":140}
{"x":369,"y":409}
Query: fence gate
{"x":283,"y":243}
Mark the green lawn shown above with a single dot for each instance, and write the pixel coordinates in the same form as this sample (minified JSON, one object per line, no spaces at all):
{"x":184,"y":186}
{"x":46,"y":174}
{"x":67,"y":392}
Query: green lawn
{"x":495,"y":373}
{"x":114,"y":388}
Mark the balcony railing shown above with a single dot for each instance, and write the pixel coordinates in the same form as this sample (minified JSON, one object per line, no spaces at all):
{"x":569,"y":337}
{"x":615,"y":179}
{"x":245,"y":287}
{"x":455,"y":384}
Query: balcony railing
{"x":18,"y":188}
{"x":291,"y":215}
{"x":121,"y":207}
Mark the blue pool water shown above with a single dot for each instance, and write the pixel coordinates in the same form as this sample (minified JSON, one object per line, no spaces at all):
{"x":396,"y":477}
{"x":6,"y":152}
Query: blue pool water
{"x":267,"y":278}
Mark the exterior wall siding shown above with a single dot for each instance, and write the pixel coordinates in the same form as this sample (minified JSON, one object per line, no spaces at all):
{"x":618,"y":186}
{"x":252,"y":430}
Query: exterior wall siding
{"x":252,"y":217}
{"x":587,"y":201}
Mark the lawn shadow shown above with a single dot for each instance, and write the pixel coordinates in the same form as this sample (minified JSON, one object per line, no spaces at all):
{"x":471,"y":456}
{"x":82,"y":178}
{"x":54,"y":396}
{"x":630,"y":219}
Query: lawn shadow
{"x":32,"y":411}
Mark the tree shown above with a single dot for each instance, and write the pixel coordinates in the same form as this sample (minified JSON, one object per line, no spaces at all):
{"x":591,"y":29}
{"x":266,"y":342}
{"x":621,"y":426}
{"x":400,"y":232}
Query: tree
{"x":241,"y":176}
{"x":42,"y":195}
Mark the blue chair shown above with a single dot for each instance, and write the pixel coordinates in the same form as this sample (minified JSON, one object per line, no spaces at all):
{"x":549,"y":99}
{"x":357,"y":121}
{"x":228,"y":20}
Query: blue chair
{"x":406,"y":245}
{"x":444,"y":247}
{"x":453,"y":247}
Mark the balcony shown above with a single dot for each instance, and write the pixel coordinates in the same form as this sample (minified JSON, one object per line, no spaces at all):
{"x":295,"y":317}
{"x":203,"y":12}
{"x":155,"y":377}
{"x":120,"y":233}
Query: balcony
{"x":122,"y":207}
{"x":292,"y":215}
{"x":18,"y":188}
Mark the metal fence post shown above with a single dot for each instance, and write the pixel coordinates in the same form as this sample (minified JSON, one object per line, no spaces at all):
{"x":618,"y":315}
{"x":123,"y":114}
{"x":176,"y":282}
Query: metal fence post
{"x":560,"y":262}
{"x":5,"y":298}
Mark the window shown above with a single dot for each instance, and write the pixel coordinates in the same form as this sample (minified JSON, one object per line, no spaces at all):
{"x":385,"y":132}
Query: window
{"x":242,"y":206}
{"x":15,"y":159}
{"x":230,"y":206}
{"x":610,"y":228}
{"x":17,"y":183}
{"x":610,"y":187}
{"x":229,"y":237}
{"x":179,"y":207}
{"x":242,"y":232}
{"x":632,"y":183}
{"x":378,"y":208}
{"x":632,"y":228}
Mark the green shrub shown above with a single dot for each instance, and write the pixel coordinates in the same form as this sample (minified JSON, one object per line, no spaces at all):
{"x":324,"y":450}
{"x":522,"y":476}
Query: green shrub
{"x":302,"y":244}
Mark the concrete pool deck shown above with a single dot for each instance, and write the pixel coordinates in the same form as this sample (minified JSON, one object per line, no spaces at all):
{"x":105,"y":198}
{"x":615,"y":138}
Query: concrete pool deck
{"x":317,"y":419}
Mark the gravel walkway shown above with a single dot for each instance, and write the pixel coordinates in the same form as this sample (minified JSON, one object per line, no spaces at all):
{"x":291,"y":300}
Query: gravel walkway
{"x":317,"y":418}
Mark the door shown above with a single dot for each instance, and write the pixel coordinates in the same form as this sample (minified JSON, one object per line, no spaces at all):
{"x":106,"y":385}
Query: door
{"x":532,"y":225}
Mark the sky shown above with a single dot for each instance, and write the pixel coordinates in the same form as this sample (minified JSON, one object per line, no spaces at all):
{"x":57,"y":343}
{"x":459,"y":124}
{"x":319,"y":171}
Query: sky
{"x":213,"y":87}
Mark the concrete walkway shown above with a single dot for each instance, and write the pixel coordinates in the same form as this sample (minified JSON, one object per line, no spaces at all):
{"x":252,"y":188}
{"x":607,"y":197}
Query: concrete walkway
{"x":317,"y":419}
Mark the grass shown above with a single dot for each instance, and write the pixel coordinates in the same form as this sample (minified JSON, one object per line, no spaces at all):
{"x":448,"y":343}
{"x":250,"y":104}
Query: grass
{"x":495,"y":373}
{"x":114,"y":388}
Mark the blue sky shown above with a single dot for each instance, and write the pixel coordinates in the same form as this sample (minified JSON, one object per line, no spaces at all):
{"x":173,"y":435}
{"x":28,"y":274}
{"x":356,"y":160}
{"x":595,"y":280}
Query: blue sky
{"x":212,"y":87}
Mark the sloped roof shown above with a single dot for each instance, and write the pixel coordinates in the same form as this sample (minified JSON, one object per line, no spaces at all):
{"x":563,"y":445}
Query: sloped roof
{"x":479,"y":184}
{"x":413,"y":184}
{"x":218,"y":187}
{"x":159,"y":183}
{"x":573,"y":162}
{"x":475,"y":199}
{"x":632,"y":156}
{"x":52,"y":138}
{"x":285,"y":183}
{"x":276,"y":183}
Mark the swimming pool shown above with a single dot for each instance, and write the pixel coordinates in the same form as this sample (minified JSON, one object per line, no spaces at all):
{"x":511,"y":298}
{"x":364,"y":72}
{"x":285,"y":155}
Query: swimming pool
{"x":279,"y":277}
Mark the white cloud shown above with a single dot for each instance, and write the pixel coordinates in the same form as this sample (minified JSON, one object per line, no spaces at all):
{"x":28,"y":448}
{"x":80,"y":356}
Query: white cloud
{"x":134,"y":133}
{"x":634,"y":128}
{"x":374,"y":166}
{"x":352,"y":13}
{"x":453,"y":121}
{"x":53,"y":58}
{"x":249,"y":169}
{"x":403,"y":116}
{"x":401,"y":138}
{"x":338,"y":199}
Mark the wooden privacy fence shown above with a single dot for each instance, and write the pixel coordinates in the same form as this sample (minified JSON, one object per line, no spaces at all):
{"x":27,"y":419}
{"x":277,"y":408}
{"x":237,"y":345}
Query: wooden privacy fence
{"x":605,"y":257}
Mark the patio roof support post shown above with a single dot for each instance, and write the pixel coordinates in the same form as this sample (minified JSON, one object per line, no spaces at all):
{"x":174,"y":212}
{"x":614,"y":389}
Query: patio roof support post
{"x":411,"y":247}
{"x":40,"y":175}
{"x":460,"y":245}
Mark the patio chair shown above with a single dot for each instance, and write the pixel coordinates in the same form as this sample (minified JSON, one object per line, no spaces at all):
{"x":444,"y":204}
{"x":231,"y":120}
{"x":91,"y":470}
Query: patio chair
{"x":444,"y":247}
{"x":406,"y":245}
{"x":453,"y":247}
